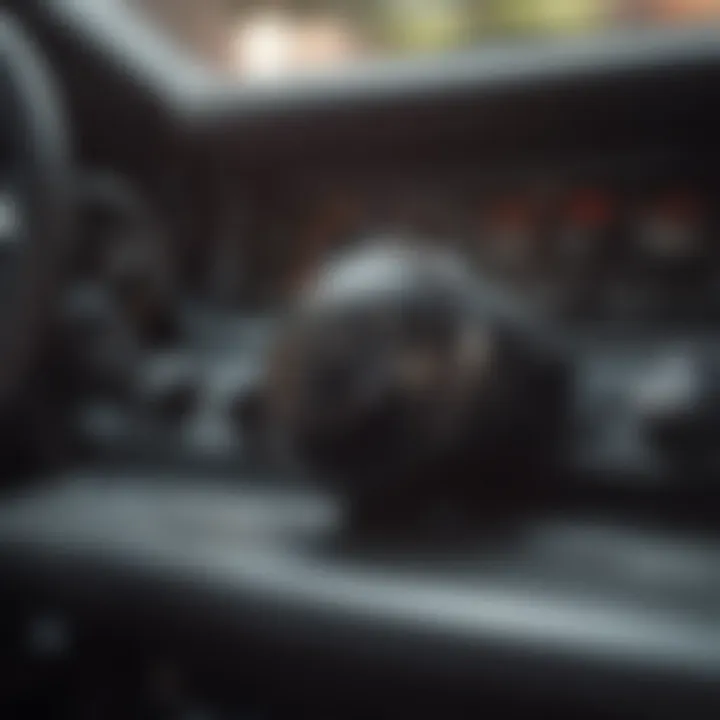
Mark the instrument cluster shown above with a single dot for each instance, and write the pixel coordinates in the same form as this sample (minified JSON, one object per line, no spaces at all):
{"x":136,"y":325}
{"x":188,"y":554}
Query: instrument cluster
{"x":604,"y":246}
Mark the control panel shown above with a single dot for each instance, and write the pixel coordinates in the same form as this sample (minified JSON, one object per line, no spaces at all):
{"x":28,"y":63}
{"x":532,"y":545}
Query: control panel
{"x":551,"y":326}
{"x":614,"y":242}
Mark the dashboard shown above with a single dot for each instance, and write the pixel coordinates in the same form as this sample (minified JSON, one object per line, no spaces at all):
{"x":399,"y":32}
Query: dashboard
{"x":618,"y":240}
{"x":406,"y":383}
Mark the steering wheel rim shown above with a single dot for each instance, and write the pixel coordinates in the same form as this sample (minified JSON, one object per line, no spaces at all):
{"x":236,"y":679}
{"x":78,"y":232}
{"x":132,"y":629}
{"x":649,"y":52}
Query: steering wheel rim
{"x":42,"y":188}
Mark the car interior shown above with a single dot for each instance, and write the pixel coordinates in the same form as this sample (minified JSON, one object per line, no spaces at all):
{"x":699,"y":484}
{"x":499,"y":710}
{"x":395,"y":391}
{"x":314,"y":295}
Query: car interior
{"x":387,"y":388}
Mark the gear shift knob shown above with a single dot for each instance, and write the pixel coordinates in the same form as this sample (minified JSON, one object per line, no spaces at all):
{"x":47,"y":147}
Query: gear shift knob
{"x":389,"y":369}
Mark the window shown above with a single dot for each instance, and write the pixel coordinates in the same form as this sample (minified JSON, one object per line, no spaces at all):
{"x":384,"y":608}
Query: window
{"x":280,"y":38}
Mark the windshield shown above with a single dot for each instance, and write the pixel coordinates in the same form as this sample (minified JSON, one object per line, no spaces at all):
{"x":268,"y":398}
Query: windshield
{"x":284,"y":38}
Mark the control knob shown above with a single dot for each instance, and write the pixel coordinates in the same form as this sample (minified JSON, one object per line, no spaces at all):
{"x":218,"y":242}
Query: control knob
{"x":399,"y":369}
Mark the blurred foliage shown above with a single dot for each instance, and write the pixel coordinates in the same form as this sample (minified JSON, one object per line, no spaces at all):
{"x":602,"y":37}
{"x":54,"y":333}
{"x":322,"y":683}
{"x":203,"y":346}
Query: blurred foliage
{"x":433,"y":24}
{"x":414,"y":24}
{"x":407,"y":26}
{"x":547,"y":15}
{"x":402,"y":24}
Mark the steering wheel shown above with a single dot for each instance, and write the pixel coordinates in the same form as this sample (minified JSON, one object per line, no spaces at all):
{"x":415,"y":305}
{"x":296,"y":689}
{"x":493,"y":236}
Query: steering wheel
{"x":35,"y":206}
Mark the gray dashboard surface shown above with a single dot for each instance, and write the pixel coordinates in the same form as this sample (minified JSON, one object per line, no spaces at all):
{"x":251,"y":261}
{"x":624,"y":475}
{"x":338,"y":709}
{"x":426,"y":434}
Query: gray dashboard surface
{"x":609,"y":605}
